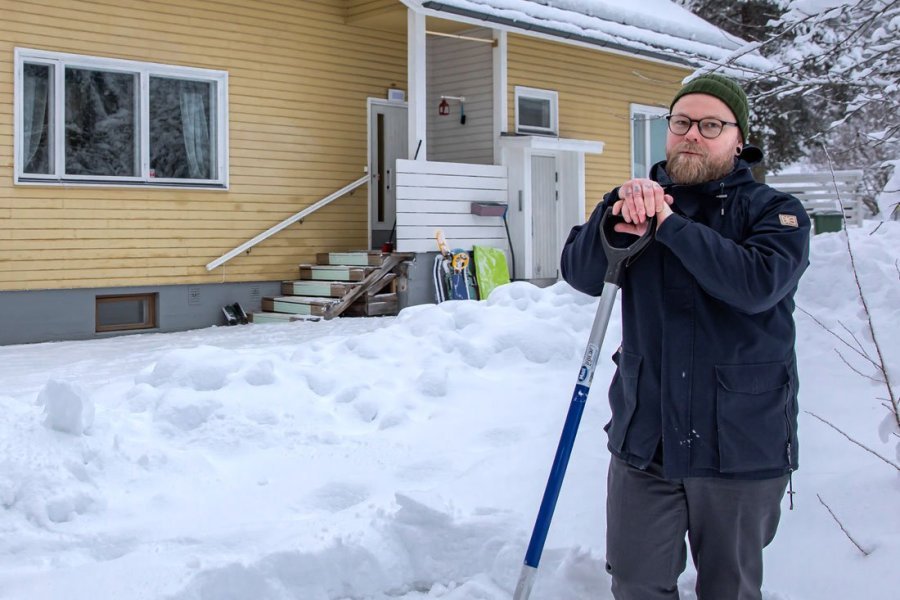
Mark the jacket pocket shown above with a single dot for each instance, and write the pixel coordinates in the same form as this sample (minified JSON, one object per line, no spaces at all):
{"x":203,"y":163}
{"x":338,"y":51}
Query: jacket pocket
{"x":623,"y":397}
{"x":752,"y":414}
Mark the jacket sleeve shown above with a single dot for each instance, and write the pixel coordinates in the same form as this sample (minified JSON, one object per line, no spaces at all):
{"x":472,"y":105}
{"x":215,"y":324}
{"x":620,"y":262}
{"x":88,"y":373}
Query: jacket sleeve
{"x":583,"y":263}
{"x":751,"y":276}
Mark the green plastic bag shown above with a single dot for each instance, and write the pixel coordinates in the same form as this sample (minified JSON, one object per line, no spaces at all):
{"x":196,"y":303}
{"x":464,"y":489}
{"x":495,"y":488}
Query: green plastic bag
{"x":490,"y":269}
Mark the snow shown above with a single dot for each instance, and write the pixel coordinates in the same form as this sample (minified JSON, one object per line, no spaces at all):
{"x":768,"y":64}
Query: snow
{"x":657,"y":26}
{"x":404,"y":457}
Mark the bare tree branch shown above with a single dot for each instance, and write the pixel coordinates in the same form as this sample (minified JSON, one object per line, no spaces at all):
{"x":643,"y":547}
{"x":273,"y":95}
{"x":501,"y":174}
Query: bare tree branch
{"x":855,"y":370}
{"x":841,"y":525}
{"x":866,"y":448}
{"x":862,"y":297}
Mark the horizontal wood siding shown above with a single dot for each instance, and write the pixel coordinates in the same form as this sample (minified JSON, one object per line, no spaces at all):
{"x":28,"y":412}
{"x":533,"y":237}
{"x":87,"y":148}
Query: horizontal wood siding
{"x":435,"y":195}
{"x":461,"y":68}
{"x":299,"y":76}
{"x":596,"y":90}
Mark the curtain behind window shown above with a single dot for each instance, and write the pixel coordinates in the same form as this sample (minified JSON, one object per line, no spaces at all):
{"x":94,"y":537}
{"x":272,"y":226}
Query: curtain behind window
{"x":36,"y":155}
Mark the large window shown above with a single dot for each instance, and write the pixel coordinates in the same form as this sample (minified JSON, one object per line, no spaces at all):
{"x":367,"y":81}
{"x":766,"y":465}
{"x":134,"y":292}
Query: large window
{"x":89,"y":120}
{"x":648,"y":138}
{"x":537,"y":111}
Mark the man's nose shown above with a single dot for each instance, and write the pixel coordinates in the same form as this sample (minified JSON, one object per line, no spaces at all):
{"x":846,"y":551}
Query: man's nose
{"x":693,"y":132}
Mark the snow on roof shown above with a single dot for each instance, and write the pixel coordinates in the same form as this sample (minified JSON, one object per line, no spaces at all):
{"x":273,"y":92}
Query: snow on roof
{"x":656,"y":28}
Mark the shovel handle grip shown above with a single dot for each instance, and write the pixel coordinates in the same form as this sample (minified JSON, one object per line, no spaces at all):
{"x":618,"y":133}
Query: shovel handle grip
{"x":618,"y":257}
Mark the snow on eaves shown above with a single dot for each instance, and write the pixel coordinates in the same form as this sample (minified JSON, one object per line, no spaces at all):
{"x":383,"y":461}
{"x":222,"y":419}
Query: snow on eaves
{"x":655,"y":28}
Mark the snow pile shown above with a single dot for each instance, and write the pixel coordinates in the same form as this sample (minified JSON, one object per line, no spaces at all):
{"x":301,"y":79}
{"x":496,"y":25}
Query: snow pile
{"x":67,"y":407}
{"x":402,"y":458}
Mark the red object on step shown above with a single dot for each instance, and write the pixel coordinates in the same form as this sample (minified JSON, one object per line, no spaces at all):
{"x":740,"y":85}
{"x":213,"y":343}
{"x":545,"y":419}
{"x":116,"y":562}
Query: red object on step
{"x":387,"y":247}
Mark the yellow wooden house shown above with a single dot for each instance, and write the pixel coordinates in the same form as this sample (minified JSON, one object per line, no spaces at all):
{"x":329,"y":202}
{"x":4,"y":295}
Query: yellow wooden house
{"x":159,"y":159}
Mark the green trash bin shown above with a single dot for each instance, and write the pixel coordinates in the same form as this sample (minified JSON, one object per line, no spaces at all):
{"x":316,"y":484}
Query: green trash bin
{"x":828,"y":221}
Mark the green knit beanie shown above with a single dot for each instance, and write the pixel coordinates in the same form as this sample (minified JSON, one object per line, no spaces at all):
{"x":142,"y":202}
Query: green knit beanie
{"x":725,"y":89}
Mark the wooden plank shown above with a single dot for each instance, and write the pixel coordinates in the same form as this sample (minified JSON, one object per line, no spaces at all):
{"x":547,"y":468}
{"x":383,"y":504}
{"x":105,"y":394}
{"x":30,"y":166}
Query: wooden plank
{"x":850,"y":175}
{"x":405,"y":167}
{"x":332,"y":273}
{"x":290,"y":305}
{"x":431,"y":219}
{"x":411,"y":194}
{"x":333,"y":289}
{"x":372,"y":279}
{"x":273,"y":317}
{"x":357,"y":259}
{"x":380,"y":305}
{"x":426,"y":245}
{"x":454,"y":181}
{"x":453,"y":232}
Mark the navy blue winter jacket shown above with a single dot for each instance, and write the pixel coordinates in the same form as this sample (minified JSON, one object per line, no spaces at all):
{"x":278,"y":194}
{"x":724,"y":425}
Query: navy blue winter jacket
{"x":707,"y":363}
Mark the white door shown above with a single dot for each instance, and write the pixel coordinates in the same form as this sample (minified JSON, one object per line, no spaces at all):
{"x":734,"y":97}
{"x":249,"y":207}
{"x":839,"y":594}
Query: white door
{"x":387,"y":143}
{"x":544,"y":217}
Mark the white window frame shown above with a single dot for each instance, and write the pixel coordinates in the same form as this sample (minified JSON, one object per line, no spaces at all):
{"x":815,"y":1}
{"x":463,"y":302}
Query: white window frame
{"x":640,"y":111}
{"x":144,"y":70}
{"x":538,"y":94}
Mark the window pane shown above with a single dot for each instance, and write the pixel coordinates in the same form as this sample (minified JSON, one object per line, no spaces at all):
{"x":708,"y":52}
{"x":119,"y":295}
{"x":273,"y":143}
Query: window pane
{"x":37,"y":111}
{"x":658,"y":129}
{"x":101,"y":123}
{"x":534,"y":112}
{"x":122,"y":312}
{"x":182,"y":138}
{"x":639,"y":166}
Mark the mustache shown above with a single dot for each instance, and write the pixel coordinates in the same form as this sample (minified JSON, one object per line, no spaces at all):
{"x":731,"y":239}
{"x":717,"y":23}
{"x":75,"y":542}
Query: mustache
{"x":690,"y":147}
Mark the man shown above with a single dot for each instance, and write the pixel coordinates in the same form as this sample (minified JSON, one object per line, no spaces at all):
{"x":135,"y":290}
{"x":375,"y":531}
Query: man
{"x":704,"y":399}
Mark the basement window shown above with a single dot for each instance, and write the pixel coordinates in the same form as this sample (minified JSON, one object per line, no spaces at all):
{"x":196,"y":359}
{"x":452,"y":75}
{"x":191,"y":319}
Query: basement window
{"x":126,"y":313}
{"x":537,"y":111}
{"x":93,"y":121}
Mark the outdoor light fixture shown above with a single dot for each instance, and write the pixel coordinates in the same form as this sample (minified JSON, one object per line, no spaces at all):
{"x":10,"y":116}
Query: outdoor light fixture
{"x":444,"y":107}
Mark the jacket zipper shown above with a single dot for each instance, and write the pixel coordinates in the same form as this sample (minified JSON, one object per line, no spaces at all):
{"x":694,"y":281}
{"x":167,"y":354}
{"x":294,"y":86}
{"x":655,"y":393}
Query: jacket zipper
{"x":722,"y":196}
{"x":789,"y":447}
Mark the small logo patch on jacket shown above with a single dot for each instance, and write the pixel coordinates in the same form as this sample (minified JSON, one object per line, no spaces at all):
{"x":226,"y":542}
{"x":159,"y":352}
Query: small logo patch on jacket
{"x":788,"y":220}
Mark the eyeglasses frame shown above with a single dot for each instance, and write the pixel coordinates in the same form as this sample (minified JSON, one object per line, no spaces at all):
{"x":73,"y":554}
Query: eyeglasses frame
{"x":668,"y":119}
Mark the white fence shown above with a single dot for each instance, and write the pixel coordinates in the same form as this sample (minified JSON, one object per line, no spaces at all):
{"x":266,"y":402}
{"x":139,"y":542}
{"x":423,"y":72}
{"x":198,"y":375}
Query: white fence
{"x":439,"y":195}
{"x":825,"y":192}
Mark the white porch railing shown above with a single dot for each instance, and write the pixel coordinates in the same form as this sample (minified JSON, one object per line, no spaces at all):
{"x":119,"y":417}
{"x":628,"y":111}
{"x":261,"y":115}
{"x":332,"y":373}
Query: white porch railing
{"x":840,"y":191}
{"x":439,"y":195}
{"x":287,"y":222}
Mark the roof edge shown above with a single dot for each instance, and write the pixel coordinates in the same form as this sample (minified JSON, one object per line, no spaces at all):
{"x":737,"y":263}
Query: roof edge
{"x":438,"y":6}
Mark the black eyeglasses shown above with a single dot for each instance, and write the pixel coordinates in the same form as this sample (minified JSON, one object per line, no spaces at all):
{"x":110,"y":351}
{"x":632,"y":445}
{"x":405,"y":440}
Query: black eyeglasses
{"x":709,"y":127}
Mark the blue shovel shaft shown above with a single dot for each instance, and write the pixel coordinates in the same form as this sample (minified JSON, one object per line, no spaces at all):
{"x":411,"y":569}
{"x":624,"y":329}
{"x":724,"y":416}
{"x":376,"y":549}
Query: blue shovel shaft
{"x":566,"y":442}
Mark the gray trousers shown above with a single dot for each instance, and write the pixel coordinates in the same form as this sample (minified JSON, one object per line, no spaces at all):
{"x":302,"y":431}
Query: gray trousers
{"x":728,"y":523}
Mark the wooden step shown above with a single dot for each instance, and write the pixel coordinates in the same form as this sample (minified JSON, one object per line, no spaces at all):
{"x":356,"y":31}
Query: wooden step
{"x":297,"y":305}
{"x":331,"y":289}
{"x":274,"y":317}
{"x":374,"y":305}
{"x":334,"y":272}
{"x":372,"y":258}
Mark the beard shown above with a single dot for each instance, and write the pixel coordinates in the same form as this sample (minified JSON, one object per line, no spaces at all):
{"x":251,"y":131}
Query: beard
{"x":700,"y":167}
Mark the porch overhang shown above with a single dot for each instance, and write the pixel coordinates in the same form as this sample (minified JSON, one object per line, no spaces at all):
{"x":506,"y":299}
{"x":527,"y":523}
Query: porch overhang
{"x":552,"y":144}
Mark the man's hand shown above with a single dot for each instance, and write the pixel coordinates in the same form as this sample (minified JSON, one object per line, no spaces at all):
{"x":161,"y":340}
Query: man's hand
{"x":640,"y":199}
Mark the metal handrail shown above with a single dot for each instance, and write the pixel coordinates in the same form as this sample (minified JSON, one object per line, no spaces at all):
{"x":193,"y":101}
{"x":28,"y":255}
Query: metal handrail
{"x":287,"y":222}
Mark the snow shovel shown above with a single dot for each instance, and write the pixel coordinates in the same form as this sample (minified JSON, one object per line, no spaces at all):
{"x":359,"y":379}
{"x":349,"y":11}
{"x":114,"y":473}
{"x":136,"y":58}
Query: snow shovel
{"x":618,"y":258}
